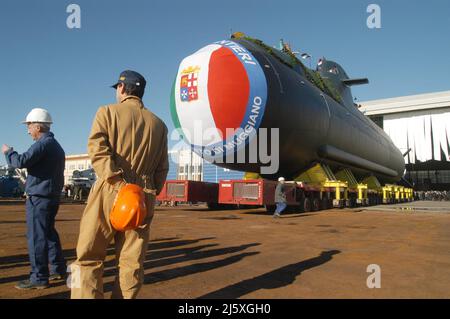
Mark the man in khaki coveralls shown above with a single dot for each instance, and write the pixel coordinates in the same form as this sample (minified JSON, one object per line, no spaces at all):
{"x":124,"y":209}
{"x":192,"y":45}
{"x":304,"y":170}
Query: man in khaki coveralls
{"x":127,"y":142}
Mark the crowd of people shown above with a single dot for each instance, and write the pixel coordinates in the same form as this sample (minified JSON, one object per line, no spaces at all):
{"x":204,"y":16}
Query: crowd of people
{"x":432,"y":195}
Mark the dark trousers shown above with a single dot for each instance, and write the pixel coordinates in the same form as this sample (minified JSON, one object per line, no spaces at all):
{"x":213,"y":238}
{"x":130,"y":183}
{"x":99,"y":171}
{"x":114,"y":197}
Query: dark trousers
{"x":44,"y":246}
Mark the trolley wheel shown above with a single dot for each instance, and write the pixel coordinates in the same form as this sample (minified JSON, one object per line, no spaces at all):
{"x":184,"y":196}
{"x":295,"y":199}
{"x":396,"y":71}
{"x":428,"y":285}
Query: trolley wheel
{"x":307,"y":206}
{"x":316,"y":204}
{"x":330,"y":203}
{"x":213,"y":206}
{"x":339,"y":203}
{"x":325,"y":204}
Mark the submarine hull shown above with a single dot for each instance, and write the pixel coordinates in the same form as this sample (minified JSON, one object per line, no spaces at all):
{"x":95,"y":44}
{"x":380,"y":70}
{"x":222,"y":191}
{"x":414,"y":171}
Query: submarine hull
{"x":236,"y":88}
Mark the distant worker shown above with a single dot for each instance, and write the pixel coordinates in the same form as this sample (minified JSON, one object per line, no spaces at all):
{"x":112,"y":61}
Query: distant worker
{"x":127,"y":143}
{"x":280,"y":197}
{"x":45,"y":161}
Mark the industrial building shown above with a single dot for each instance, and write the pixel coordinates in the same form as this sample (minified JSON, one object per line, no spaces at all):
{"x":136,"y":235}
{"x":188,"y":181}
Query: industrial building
{"x":419,"y":124}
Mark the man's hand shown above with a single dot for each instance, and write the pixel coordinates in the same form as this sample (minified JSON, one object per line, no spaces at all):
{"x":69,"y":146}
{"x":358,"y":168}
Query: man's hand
{"x":6,"y":149}
{"x":116,"y":181}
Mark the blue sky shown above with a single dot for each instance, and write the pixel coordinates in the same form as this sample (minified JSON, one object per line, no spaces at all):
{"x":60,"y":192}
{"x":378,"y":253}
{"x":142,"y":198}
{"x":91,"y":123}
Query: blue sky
{"x":69,"y":71}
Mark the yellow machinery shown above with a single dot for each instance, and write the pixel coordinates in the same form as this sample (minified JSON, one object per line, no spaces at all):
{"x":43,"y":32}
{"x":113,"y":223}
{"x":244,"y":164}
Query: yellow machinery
{"x":361,"y":189}
{"x":321,"y":175}
{"x":344,"y":190}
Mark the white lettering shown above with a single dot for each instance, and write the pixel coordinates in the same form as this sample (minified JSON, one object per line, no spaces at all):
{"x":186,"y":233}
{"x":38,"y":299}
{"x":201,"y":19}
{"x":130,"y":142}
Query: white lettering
{"x":374,"y":20}
{"x":195,"y":309}
{"x":374,"y":280}
{"x":74,"y":19}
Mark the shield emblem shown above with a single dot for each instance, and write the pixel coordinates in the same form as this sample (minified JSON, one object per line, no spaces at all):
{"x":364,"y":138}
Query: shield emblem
{"x":189,"y":84}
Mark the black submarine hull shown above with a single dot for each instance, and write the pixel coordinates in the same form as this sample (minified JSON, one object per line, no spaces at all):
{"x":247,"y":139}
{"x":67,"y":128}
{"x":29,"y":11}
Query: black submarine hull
{"x":313,"y":128}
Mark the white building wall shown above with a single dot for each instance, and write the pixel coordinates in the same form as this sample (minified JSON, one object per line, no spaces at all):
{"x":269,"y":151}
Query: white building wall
{"x":420,"y":122}
{"x":425,"y":132}
{"x":190,"y":166}
{"x":75,"y":163}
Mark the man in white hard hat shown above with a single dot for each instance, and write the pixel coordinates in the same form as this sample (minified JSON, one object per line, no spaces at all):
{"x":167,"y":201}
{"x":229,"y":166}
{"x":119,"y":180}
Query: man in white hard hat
{"x":45,"y":161}
{"x":280,"y":197}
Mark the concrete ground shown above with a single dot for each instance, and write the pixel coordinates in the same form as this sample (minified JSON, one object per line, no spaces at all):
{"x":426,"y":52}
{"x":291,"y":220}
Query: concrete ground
{"x":196,"y":253}
{"x":418,"y":206}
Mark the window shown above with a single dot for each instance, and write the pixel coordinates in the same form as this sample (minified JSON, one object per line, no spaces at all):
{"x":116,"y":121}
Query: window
{"x":444,"y":176}
{"x":378,"y":120}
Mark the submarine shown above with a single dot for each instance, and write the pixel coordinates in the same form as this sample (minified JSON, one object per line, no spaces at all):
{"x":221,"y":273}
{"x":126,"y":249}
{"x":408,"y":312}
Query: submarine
{"x":228,"y":92}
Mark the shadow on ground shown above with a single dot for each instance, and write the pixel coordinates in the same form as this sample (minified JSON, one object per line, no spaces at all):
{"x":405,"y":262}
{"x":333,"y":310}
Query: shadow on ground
{"x":171,"y":252}
{"x":275,"y":279}
{"x":22,"y":260}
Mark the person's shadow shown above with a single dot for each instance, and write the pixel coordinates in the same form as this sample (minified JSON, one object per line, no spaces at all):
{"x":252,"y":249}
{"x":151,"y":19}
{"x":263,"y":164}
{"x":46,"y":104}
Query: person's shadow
{"x":172,"y":252}
{"x":274,"y":279}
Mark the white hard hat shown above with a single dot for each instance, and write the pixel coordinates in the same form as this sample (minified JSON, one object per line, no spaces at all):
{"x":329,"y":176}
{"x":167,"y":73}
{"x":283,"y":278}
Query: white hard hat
{"x":38,"y":115}
{"x":281,"y":179}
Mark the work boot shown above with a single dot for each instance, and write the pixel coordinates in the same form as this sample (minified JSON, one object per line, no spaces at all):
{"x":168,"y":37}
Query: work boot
{"x":28,"y":285}
{"x":56,"y":277}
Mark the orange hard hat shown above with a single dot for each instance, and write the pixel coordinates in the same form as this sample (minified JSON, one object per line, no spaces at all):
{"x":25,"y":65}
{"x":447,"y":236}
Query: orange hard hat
{"x":129,"y":209}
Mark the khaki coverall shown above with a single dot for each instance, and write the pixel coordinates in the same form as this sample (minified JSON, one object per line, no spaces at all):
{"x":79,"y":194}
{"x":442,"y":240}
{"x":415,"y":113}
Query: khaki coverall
{"x":128,"y":138}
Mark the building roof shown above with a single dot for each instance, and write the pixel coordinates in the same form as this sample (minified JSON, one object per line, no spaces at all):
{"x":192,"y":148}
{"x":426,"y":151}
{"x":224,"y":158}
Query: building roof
{"x":406,"y":103}
{"x":77,"y":156}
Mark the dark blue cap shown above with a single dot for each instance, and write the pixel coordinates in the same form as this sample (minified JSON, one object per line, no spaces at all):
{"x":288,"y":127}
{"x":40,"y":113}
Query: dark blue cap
{"x":131,"y":77}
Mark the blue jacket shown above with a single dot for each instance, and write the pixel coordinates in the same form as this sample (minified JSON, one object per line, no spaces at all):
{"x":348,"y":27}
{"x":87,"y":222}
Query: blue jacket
{"x":44,"y":161}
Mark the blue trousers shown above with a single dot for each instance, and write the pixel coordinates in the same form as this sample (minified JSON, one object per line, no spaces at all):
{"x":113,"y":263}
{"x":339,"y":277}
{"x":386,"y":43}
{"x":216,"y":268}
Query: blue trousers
{"x":44,"y":246}
{"x":280,"y":208}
